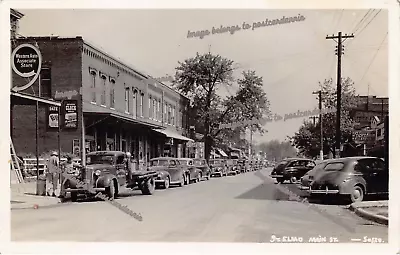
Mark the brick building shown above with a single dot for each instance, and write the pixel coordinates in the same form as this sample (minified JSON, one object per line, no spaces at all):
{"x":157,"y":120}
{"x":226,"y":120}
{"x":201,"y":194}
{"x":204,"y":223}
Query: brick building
{"x":117,"y":107}
{"x":15,"y":16}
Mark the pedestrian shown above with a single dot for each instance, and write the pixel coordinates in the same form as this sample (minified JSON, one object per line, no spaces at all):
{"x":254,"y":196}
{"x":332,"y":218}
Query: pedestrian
{"x":52,"y":174}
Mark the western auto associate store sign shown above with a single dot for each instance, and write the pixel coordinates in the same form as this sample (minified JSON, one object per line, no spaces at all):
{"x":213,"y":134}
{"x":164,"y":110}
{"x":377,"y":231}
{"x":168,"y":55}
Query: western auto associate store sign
{"x":26,"y":62}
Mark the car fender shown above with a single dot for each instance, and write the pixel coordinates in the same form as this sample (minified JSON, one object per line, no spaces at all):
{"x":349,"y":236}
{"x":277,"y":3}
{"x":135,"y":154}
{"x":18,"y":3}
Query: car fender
{"x":346,"y":188}
{"x":105,"y":181}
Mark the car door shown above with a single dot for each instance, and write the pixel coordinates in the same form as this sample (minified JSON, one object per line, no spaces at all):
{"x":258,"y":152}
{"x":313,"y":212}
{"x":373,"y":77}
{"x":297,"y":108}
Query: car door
{"x":366,"y":168}
{"x":308,"y":166}
{"x":121,"y":170}
{"x":173,"y":169}
{"x":381,"y":176}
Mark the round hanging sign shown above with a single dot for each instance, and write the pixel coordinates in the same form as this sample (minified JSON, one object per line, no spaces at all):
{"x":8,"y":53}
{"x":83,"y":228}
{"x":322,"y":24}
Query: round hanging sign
{"x":26,"y":61}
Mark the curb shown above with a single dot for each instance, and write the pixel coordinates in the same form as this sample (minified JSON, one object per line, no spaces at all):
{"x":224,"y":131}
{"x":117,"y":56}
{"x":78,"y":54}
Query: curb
{"x":370,"y":216}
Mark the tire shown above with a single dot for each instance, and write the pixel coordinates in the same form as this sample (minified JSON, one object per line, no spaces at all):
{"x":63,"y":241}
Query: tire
{"x":148,"y":187}
{"x":166,"y":183}
{"x":293,"y":180}
{"x":357,"y":194}
{"x":221,"y":174}
{"x":198,"y":179}
{"x":74,"y":196}
{"x":280,"y":180}
{"x":110,"y":191}
{"x":182,"y":183}
{"x":187,"y":179}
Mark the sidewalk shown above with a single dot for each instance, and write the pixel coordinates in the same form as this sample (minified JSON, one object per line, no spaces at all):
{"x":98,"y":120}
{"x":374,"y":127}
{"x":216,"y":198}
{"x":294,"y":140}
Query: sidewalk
{"x":23,"y":196}
{"x":376,"y":211}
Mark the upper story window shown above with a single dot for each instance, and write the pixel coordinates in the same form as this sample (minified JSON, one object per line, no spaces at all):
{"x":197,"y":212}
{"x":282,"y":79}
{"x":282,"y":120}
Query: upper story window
{"x":169,"y":115}
{"x":173,"y":116}
{"x":45,"y":82}
{"x":112,"y":93}
{"x":158,"y":111}
{"x":93,"y":74}
{"x":127,"y":100}
{"x":150,"y":109}
{"x":104,"y":88}
{"x":134,"y":102}
{"x":141,"y":104}
{"x":154,"y":109}
{"x":165,"y":113}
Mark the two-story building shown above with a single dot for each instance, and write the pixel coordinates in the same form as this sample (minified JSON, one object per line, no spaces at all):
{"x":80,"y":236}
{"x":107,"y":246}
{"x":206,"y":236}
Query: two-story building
{"x":106,"y":105}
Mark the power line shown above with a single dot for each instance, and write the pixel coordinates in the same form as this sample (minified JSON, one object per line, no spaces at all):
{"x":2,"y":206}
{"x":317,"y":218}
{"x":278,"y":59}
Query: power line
{"x":370,"y":21}
{"x":376,"y":53}
{"x":369,"y":12}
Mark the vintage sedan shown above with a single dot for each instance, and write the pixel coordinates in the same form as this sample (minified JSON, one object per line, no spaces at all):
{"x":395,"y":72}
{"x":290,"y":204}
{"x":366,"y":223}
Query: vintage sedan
{"x":231,"y":169}
{"x":218,"y":167}
{"x":352,"y":178}
{"x":292,"y":169}
{"x":311,"y":175}
{"x":241,"y":165}
{"x":170,"y":172}
{"x":203,"y":166}
{"x":192,"y":173}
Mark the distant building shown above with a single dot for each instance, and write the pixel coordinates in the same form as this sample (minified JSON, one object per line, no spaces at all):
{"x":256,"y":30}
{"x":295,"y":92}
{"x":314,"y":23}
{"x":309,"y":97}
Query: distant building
{"x":367,"y":108}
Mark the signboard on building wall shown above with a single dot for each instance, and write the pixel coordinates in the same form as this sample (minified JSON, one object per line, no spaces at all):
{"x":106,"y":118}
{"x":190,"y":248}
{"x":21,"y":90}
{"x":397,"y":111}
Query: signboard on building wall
{"x":52,"y":117}
{"x":364,"y":136}
{"x":26,"y":62}
{"x":70,"y":114}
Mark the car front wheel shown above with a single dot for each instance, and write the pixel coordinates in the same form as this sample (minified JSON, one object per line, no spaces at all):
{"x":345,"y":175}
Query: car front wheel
{"x":166,"y":183}
{"x":357,"y":194}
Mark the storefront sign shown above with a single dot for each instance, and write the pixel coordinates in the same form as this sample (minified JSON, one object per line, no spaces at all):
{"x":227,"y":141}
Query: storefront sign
{"x":26,"y":62}
{"x":70,"y":114}
{"x":65,"y":94}
{"x":52,"y":117}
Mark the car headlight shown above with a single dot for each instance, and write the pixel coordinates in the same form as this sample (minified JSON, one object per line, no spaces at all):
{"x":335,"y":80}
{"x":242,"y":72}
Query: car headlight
{"x":98,"y":172}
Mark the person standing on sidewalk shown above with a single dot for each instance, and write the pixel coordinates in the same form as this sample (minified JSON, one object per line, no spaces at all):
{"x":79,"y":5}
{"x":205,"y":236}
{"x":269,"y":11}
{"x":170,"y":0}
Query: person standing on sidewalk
{"x":52,"y":174}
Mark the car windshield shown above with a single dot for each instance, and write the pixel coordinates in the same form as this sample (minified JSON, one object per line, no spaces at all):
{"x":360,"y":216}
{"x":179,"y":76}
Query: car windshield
{"x":100,"y":159}
{"x":159,"y":162}
{"x":334,"y":166}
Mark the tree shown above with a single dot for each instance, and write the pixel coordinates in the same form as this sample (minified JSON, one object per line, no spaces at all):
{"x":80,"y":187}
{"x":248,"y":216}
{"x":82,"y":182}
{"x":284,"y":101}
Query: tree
{"x":199,"y":78}
{"x":276,"y":151}
{"x":307,"y":139}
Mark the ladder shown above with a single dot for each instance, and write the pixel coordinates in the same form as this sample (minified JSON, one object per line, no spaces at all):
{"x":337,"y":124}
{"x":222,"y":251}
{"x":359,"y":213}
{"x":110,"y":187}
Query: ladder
{"x":16,"y":174}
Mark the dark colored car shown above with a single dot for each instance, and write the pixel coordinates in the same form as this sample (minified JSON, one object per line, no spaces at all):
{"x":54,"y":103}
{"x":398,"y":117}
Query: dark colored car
{"x":292,"y":169}
{"x":353,"y":178}
{"x":311,"y":175}
{"x":170,"y":171}
{"x":242,"y":165}
{"x":218,"y":167}
{"x":203,"y":166}
{"x":231,"y":167}
{"x":193,"y":174}
{"x":106,"y":171}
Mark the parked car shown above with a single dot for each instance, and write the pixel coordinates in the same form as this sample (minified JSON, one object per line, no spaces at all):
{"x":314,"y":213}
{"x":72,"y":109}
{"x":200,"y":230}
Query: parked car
{"x":292,"y":169}
{"x":218,"y":167}
{"x":241,"y":165}
{"x":311,"y":175}
{"x":170,"y":172}
{"x":106,"y":171}
{"x":192,"y":173}
{"x":231,"y":169}
{"x":203,"y":166}
{"x":247,"y":166}
{"x":236,"y":166}
{"x":352,"y":178}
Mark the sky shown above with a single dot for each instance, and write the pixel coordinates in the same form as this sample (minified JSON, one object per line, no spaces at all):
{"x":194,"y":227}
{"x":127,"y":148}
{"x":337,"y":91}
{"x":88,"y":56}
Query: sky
{"x":291,"y":58}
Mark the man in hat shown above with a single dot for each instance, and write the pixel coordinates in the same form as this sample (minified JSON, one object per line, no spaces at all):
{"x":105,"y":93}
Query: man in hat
{"x":52,"y":174}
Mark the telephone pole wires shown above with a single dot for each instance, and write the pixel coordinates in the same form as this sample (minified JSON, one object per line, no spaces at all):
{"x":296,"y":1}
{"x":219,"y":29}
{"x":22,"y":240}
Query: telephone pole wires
{"x":339,"y":53}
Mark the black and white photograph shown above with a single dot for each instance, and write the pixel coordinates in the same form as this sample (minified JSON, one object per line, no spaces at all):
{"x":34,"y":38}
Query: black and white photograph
{"x":193,"y":125}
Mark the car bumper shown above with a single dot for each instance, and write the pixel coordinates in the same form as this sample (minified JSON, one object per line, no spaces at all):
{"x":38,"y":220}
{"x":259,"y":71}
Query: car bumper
{"x":302,"y":187}
{"x":276,"y":175}
{"x":82,"y":190}
{"x":326,"y":191}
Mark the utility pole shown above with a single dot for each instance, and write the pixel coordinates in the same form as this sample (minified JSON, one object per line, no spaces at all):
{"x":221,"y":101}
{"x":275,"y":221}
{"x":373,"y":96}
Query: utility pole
{"x":339,"y":53}
{"x":321,"y":152}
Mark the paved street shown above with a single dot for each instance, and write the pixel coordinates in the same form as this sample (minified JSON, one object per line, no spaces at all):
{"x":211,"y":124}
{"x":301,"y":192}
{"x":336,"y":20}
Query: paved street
{"x":240,"y":208}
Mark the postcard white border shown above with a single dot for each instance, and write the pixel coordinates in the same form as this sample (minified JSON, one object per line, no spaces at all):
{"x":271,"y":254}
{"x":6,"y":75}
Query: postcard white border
{"x":7,"y":247}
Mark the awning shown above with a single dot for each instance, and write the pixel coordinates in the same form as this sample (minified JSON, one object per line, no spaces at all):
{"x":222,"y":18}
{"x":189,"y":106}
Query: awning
{"x":174,"y":135}
{"x":26,"y":99}
{"x":221,"y":152}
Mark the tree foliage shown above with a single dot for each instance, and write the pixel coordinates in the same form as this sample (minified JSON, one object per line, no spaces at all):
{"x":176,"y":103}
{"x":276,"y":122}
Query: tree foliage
{"x":307,"y":139}
{"x":277,"y":151}
{"x":200,"y":77}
